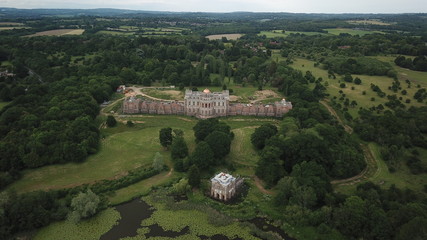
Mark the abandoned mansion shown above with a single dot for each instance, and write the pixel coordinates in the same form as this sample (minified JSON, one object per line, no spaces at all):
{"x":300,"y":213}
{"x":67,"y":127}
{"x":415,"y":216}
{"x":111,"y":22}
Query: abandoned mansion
{"x":204,"y":105}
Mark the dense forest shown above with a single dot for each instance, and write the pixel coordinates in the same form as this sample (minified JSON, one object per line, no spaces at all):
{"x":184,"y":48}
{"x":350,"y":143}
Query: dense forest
{"x":59,"y":82}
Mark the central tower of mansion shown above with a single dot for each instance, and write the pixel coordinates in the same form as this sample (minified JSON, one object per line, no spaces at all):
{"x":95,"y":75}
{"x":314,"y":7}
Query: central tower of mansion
{"x":206,"y":104}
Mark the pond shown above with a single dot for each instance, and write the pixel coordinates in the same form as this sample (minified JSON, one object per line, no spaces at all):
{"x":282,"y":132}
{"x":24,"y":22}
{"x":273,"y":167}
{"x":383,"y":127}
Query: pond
{"x":134,"y":212}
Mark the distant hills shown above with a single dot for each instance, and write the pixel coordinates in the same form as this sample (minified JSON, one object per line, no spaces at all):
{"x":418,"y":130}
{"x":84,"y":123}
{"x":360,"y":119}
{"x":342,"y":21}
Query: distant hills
{"x":111,"y":12}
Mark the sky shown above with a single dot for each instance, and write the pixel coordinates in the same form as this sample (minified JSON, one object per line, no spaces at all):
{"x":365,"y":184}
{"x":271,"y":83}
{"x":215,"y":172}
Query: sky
{"x":296,"y":6}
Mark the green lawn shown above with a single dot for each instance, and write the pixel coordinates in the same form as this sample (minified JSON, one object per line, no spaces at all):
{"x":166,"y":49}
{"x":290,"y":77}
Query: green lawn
{"x":118,"y":154}
{"x":125,"y":148}
{"x":338,"y":31}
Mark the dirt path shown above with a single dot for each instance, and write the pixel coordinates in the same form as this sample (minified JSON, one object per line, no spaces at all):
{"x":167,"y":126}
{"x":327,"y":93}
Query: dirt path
{"x":260,"y":187}
{"x":371,"y":162}
{"x":137,"y":91}
{"x":332,"y":111}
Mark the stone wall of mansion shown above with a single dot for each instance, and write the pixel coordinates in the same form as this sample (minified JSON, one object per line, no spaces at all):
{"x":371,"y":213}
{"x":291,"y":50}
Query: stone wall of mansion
{"x":204,"y":105}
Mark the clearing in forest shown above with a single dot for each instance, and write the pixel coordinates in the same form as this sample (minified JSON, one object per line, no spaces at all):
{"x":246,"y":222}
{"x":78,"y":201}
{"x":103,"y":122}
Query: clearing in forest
{"x":233,"y":36}
{"x":338,"y":31}
{"x":58,"y":32}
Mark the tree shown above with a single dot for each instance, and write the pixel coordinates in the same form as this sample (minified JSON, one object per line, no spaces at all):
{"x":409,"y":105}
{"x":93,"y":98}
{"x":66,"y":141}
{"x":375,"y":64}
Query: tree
{"x":111,"y":121}
{"x":158,"y":162}
{"x":414,"y":229}
{"x":203,"y":156}
{"x":181,"y":187}
{"x":129,"y":123}
{"x":165,"y":137}
{"x":263,"y":133}
{"x":179,"y":148}
{"x":220,"y":143}
{"x":84,"y":205}
{"x":348,"y":78}
{"x":357,"y":81}
{"x":194,"y":176}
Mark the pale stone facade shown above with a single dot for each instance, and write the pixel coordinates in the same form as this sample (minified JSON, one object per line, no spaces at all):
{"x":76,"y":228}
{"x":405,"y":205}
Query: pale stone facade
{"x":224,"y":186}
{"x":205,"y":105}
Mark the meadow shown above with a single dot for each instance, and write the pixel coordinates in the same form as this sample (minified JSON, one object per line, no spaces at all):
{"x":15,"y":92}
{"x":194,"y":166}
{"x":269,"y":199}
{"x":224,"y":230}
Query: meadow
{"x":11,"y":28}
{"x":357,"y":93}
{"x":369,"y":22}
{"x":125,"y":148}
{"x":338,"y":31}
{"x":228,"y":36}
{"x":58,"y":32}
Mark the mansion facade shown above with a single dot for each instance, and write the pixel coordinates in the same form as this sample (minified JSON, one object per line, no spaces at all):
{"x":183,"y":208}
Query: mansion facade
{"x":205,"y":105}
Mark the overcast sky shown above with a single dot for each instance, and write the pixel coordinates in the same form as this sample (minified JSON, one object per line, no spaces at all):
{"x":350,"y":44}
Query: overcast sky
{"x":298,"y":6}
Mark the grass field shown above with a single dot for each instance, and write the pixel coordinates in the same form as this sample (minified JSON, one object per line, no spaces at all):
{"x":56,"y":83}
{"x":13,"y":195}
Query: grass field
{"x":11,"y":24}
{"x":115,"y":33}
{"x":369,"y":22}
{"x":125,"y":148}
{"x":279,"y":33}
{"x":228,"y":36}
{"x":120,"y":151}
{"x":11,"y":28}
{"x":338,"y":31}
{"x":58,"y":32}
{"x":356,"y":94}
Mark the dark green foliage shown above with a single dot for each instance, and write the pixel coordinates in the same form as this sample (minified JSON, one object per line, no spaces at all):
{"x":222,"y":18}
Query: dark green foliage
{"x":203,"y":156}
{"x":414,"y":229}
{"x":357,"y":81}
{"x":418,"y":63}
{"x":130,"y":123}
{"x":29,"y":211}
{"x":194,"y":176}
{"x":179,"y":148}
{"x":220,"y":143}
{"x":268,"y":167}
{"x":420,"y":95}
{"x":348,"y":78}
{"x":342,"y":85}
{"x":263,"y":133}
{"x":165,"y":137}
{"x":402,"y":128}
{"x":360,"y":65}
{"x":111,"y":121}
{"x":205,"y":127}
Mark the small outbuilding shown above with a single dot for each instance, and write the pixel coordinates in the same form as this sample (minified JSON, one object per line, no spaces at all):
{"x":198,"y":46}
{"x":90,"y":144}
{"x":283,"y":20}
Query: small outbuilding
{"x":224,"y":186}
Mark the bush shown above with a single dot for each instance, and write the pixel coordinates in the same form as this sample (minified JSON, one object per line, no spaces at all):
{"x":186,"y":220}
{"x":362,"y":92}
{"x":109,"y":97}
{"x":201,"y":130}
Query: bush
{"x":111,"y":121}
{"x":342,"y":85}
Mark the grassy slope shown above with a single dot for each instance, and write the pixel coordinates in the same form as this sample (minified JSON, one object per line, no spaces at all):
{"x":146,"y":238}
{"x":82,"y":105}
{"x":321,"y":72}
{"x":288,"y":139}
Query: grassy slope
{"x":124,"y":149}
{"x":356,"y":94}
